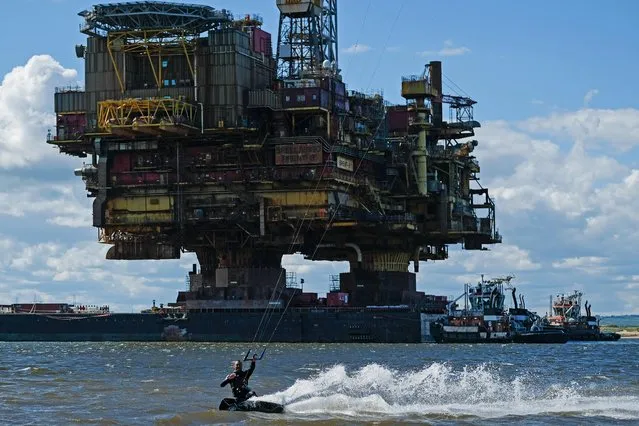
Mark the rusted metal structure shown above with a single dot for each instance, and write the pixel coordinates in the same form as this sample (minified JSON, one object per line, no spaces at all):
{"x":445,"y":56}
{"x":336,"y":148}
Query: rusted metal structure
{"x":200,"y":143}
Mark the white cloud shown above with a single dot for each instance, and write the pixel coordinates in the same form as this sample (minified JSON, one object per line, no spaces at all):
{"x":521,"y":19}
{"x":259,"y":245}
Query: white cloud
{"x":357,"y":48}
{"x":449,"y":49}
{"x":501,"y":258}
{"x":614,"y":128}
{"x":569,"y":180}
{"x":542,"y":172}
{"x":26,"y":257}
{"x":587,"y":264}
{"x":617,"y":206}
{"x":57,"y":272}
{"x":6,"y":249}
{"x":453,"y":51}
{"x":29,"y":295}
{"x":57,"y":203}
{"x":26,"y":99}
{"x":589,"y":95}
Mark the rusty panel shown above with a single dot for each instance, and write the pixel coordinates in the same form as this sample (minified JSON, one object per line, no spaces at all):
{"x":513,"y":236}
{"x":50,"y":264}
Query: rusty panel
{"x":121,"y":162}
{"x":152,"y":178}
{"x":140,"y":204}
{"x":40,"y":307}
{"x":307,"y":297}
{"x":70,"y":126}
{"x":303,"y":153}
{"x":262,"y":42}
{"x":124,"y":179}
{"x":398,"y":119}
{"x":301,"y":198}
{"x":125,"y":250}
{"x":138,"y":218}
{"x":337,"y":299}
{"x":304,"y":97}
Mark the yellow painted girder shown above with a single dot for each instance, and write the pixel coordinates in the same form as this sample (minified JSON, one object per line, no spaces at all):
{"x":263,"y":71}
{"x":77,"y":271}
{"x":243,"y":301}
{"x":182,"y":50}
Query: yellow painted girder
{"x":298,"y":198}
{"x":144,"y":112}
{"x":139,"y":218}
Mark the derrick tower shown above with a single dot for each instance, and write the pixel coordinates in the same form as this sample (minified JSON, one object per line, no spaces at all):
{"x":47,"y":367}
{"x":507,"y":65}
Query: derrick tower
{"x":307,"y":36}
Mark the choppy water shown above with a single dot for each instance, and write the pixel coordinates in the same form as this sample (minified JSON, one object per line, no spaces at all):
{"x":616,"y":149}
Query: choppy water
{"x":178,"y":383}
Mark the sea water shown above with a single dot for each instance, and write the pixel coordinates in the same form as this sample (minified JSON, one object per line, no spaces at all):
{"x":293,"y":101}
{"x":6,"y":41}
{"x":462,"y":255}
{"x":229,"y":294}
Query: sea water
{"x":179,"y":383}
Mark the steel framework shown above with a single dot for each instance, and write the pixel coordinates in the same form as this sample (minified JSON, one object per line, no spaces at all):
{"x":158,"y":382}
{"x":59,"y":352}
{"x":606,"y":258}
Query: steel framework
{"x":306,"y":39}
{"x":154,"y":44}
{"x":329,"y":33}
{"x":195,"y":19}
{"x":149,"y":112}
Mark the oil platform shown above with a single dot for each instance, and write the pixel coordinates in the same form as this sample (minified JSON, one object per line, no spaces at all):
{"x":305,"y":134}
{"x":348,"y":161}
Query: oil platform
{"x":202,"y":137}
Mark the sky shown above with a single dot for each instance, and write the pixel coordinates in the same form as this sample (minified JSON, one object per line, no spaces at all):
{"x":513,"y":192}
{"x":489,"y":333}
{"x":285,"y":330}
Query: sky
{"x":556,"y":85}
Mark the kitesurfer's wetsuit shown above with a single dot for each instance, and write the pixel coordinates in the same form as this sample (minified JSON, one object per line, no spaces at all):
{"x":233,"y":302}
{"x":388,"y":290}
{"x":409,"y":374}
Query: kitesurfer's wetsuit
{"x":239,"y":384}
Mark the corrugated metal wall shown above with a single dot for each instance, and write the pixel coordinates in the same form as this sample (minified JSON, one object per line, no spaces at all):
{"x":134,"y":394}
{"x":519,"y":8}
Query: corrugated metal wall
{"x":227,"y":68}
{"x":72,"y":101}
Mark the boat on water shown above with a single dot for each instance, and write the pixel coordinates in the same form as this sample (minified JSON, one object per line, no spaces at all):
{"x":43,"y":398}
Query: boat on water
{"x":528,"y":327}
{"x":207,"y":314}
{"x":566,"y":315}
{"x":484,"y":319}
{"x":383,"y":324}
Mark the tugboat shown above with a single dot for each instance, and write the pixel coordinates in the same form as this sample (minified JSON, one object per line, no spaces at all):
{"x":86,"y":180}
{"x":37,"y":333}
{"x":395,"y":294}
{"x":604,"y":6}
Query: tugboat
{"x":566,"y":315}
{"x":482,"y":319}
{"x":485,"y":320}
{"x":528,"y":327}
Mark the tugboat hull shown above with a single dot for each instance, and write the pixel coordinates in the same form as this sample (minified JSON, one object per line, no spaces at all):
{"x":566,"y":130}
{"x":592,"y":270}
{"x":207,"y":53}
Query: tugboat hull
{"x":469,"y":334}
{"x":544,"y":336}
{"x":589,"y":335}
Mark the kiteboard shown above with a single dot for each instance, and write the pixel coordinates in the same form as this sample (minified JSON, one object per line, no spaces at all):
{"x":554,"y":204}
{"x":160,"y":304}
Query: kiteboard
{"x":230,"y":404}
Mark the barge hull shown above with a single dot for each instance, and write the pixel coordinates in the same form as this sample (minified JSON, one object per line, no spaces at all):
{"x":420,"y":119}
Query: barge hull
{"x":296,"y":326}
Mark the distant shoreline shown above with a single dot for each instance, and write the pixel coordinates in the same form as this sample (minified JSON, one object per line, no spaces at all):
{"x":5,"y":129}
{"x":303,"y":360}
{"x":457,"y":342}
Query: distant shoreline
{"x":624,"y":332}
{"x":628,"y":335}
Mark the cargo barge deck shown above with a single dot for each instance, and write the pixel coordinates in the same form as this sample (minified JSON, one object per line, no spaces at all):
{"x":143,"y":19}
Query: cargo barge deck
{"x":297,"y":325}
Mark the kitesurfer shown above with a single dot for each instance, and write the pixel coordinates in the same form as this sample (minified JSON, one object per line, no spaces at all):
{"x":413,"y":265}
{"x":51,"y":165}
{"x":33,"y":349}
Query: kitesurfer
{"x":239,"y":381}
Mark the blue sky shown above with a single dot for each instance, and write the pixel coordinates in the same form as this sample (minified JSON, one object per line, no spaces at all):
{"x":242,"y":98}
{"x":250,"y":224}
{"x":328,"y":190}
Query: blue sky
{"x":556,"y":85}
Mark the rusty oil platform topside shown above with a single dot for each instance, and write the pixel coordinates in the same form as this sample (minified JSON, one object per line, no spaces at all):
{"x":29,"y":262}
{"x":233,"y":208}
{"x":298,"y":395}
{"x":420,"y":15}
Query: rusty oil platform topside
{"x":204,"y":138}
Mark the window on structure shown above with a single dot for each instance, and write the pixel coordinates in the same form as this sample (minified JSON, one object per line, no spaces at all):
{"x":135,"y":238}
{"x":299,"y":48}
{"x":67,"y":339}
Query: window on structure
{"x":165,"y":64}
{"x":301,"y":98}
{"x":288,"y":99}
{"x":154,"y":201}
{"x":314,"y":97}
{"x":166,"y":83}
